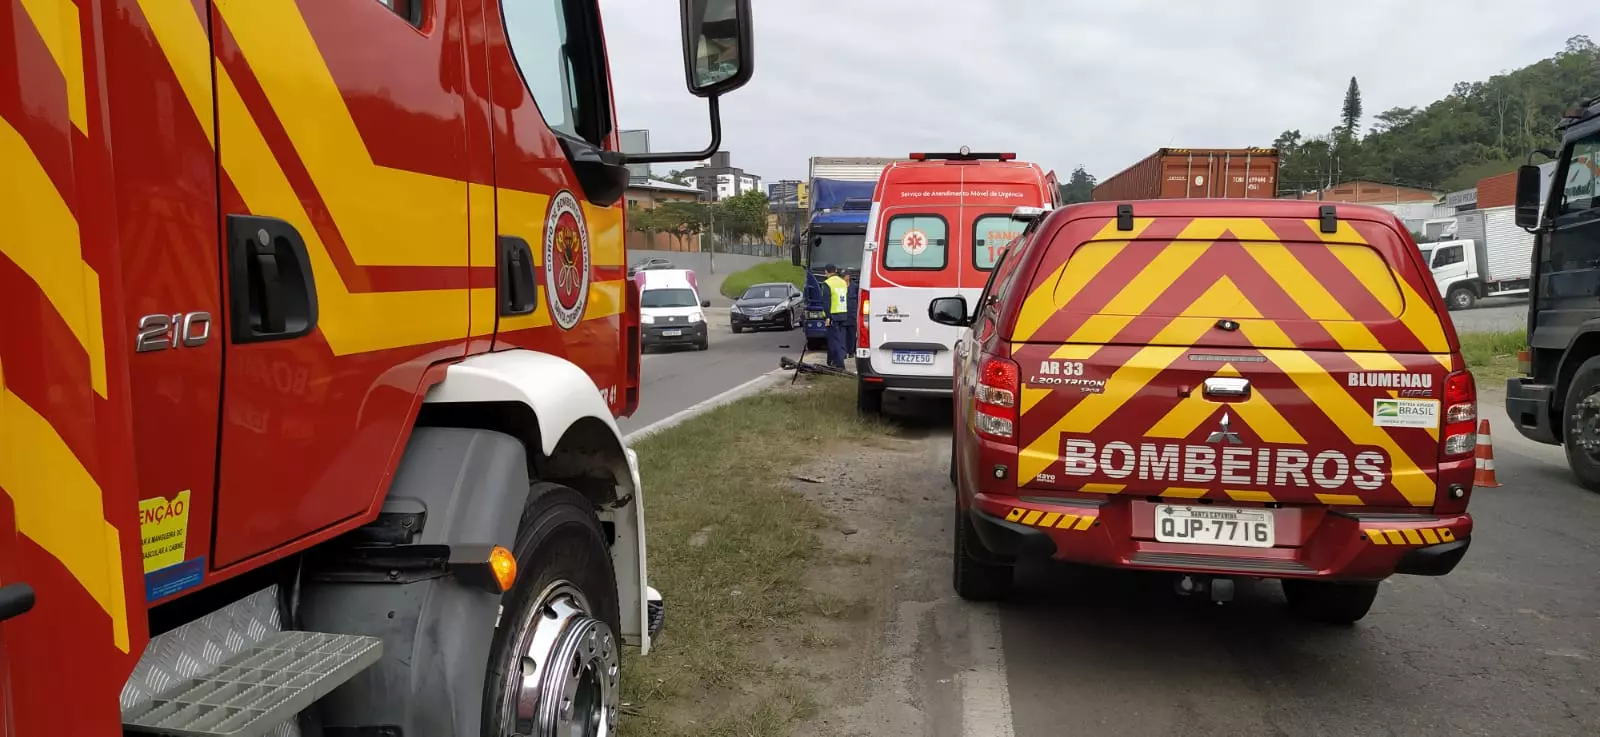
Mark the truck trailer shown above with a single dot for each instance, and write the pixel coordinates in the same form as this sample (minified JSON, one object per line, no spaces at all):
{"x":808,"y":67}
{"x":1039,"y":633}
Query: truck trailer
{"x":1179,"y":173}
{"x":322,"y":327}
{"x":841,"y":189}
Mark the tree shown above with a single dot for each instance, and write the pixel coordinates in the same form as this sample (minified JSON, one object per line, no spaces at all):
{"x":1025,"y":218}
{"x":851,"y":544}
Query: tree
{"x":1079,"y":187}
{"x":681,"y":218}
{"x":644,"y":220}
{"x":1351,"y":117}
{"x":742,"y":216}
{"x":676,"y":176}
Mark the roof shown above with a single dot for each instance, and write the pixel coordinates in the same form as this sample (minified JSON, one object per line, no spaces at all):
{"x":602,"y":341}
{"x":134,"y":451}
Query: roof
{"x":662,"y":185}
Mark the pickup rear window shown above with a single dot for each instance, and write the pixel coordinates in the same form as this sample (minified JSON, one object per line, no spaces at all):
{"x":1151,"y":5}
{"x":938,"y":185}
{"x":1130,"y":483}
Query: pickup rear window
{"x":1231,"y":280}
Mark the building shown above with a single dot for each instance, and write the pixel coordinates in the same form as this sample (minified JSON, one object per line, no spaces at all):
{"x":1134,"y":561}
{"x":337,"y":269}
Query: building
{"x":1367,"y":192}
{"x":648,"y":194}
{"x":720,"y":179}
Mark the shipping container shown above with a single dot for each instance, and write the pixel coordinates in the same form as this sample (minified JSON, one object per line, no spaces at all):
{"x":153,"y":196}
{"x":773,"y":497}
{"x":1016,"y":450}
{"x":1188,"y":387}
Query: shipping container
{"x":1178,"y":173}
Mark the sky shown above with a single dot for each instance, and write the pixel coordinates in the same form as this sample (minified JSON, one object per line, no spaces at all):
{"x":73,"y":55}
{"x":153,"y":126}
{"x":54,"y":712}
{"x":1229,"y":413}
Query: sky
{"x":1062,"y":82}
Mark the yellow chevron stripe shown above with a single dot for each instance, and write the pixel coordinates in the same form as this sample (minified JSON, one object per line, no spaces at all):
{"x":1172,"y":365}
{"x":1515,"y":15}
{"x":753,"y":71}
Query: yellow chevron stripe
{"x":1377,"y":537}
{"x":1354,"y":421}
{"x":1312,"y":297}
{"x":1134,"y":298}
{"x":1184,"y":492}
{"x":1429,"y":536}
{"x":44,"y":242}
{"x":1422,"y":322}
{"x":1031,"y":396}
{"x":187,"y":47}
{"x":417,"y":212}
{"x":1240,"y":495}
{"x":1343,"y":500}
{"x":59,"y":506}
{"x":57,"y":23}
{"x":1256,"y":412}
{"x":1057,"y":289}
{"x":1097,"y":488}
{"x":1093,"y":409}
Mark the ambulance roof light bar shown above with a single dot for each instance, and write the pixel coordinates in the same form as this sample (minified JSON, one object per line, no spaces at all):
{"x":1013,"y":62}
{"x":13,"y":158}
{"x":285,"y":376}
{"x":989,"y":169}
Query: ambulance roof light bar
{"x":965,"y":154}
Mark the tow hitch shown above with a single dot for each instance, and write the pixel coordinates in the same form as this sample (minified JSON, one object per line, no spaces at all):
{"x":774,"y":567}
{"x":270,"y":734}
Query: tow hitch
{"x":1220,"y":587}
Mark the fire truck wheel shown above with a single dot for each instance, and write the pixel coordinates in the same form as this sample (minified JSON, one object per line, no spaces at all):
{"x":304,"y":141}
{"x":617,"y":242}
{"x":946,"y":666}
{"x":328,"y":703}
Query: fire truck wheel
{"x":1328,"y":602}
{"x":1580,"y":430}
{"x":555,"y":659}
{"x":976,"y":580}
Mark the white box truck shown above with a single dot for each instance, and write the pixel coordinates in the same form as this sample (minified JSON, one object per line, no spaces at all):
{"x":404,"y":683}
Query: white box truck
{"x":1491,"y":257}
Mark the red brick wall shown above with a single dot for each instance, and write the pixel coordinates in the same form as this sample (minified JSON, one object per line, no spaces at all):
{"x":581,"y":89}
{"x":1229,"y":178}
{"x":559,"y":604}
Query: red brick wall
{"x":1497,"y":191}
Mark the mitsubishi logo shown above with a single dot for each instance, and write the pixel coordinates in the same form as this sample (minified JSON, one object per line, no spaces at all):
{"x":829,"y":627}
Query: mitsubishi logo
{"x":1224,"y":434}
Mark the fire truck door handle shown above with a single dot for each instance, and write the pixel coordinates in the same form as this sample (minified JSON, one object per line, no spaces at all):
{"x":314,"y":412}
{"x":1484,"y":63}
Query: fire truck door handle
{"x":16,"y":599}
{"x":272,"y":292}
{"x":516,"y":277}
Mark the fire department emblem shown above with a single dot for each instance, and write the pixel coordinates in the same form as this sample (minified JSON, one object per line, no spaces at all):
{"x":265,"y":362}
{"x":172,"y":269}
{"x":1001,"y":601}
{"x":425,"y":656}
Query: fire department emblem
{"x":566,"y":260}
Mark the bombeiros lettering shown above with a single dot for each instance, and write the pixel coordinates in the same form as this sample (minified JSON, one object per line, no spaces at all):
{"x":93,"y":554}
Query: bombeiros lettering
{"x":1231,"y":465}
{"x":1389,"y":380}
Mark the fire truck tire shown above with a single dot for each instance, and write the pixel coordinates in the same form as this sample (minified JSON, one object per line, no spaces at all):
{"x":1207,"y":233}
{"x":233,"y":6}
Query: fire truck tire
{"x":1580,"y":424}
{"x":1328,"y":602}
{"x":976,"y":580}
{"x":554,"y":663}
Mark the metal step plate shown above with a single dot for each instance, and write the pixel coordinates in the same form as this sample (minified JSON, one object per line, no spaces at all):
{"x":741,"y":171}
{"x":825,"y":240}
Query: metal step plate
{"x":258,"y":689}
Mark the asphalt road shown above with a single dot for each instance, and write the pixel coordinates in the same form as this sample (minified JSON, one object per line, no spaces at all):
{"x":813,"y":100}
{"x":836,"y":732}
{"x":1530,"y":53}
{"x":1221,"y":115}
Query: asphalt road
{"x":1507,"y":644}
{"x":1494,"y":315}
{"x":675,"y":379}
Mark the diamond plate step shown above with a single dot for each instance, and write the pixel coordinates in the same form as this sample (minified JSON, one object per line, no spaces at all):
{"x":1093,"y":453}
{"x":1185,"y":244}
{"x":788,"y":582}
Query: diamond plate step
{"x":255,"y":691}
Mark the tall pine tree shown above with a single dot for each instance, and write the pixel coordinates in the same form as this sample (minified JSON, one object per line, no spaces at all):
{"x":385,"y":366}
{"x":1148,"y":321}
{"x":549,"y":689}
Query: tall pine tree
{"x":1352,"y":109}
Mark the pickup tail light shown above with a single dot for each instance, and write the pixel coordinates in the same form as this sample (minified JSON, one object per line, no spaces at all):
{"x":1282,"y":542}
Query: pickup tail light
{"x":1460,"y":421}
{"x":995,"y":399}
{"x":863,"y":323}
{"x":1525,"y":362}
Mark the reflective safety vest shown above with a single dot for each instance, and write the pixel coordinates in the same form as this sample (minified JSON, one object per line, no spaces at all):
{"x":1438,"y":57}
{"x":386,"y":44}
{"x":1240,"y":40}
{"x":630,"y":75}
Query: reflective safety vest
{"x":840,"y":290}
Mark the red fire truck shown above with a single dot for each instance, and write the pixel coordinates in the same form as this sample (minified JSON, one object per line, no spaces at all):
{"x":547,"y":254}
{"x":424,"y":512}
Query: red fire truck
{"x":318,"y":323}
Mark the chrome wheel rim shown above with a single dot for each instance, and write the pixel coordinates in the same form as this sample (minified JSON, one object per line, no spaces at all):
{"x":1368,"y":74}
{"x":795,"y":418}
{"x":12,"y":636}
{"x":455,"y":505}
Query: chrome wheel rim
{"x":565,"y":682}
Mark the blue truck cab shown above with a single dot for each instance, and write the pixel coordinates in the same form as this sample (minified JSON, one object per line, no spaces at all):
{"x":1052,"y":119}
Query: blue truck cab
{"x":836,"y":232}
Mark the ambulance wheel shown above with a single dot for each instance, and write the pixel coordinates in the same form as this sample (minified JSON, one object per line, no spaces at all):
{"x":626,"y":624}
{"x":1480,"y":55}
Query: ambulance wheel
{"x":975,"y":579}
{"x":1328,"y":602}
{"x":1580,"y":428}
{"x":1460,"y":298}
{"x":869,"y":399}
{"x":554,"y":662}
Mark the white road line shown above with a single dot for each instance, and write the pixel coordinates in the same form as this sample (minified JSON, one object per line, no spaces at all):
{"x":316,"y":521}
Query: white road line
{"x":738,"y":392}
{"x":985,"y":695}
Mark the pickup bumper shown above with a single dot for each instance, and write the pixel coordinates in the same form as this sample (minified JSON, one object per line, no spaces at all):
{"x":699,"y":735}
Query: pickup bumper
{"x":1118,"y":533}
{"x":1528,"y":407}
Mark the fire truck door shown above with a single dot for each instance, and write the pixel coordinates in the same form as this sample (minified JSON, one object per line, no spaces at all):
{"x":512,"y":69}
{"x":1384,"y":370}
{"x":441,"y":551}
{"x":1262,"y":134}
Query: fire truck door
{"x":342,"y":141}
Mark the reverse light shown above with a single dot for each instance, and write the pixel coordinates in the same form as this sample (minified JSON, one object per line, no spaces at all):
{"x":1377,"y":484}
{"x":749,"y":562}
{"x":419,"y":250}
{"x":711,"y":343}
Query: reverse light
{"x":1525,"y":361}
{"x":995,"y":398}
{"x":1460,"y":414}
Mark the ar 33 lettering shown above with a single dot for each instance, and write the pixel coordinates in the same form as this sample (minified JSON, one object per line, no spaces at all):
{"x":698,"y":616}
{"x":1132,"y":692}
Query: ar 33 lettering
{"x":1060,"y":368}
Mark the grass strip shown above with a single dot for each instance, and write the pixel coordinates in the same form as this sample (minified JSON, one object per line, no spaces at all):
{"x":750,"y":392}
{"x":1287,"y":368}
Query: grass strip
{"x":1492,"y":357}
{"x":729,"y":544}
{"x":734,"y":284}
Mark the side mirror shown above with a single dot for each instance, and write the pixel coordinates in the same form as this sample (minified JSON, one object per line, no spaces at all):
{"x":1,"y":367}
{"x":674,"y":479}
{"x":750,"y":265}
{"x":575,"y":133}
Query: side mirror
{"x":717,"y":50}
{"x":1528,"y":197}
{"x":949,"y":311}
{"x":705,"y":303}
{"x":718,"y":58}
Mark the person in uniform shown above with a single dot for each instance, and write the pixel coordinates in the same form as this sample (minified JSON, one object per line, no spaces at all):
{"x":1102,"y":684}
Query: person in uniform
{"x":838,"y":312}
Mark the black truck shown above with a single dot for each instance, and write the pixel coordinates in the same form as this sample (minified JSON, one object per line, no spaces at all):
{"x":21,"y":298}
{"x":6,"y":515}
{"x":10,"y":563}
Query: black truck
{"x":1557,"y":401}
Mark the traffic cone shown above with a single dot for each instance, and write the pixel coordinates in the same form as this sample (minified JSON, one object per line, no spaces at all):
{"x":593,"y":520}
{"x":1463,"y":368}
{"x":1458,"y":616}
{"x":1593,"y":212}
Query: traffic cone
{"x":1483,"y":459}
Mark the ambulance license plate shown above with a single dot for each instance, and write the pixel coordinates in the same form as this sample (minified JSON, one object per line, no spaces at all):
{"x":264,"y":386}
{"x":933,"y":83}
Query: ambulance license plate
{"x":917,"y":358}
{"x":671,"y":333}
{"x":1245,"y":528}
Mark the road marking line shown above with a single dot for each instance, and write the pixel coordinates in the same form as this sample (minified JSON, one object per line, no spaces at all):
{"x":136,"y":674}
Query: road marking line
{"x":985,"y":695}
{"x":738,"y":392}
